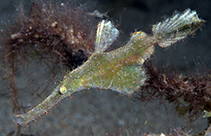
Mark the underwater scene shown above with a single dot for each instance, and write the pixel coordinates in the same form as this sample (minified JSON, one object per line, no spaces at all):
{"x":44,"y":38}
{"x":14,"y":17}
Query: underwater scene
{"x":105,"y":68}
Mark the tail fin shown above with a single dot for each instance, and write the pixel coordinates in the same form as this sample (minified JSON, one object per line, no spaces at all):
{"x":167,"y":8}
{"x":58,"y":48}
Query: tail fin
{"x":176,"y":28}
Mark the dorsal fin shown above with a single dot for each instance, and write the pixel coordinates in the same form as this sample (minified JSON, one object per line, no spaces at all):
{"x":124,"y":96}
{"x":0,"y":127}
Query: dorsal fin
{"x":105,"y":36}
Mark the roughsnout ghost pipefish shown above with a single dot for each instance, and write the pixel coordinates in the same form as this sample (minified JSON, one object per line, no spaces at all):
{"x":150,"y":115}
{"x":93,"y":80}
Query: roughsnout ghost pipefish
{"x":122,"y":69}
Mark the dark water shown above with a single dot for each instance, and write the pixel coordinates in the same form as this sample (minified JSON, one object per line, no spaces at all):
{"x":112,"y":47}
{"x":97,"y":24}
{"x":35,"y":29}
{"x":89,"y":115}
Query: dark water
{"x":101,"y":110}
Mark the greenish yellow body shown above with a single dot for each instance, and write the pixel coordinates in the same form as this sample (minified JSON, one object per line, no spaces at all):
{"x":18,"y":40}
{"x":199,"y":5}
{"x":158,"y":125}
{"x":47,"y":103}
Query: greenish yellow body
{"x":120,"y":70}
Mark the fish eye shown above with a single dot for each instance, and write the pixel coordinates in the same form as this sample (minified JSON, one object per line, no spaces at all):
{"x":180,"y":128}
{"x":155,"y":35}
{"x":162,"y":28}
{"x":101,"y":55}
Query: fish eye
{"x":62,"y":90}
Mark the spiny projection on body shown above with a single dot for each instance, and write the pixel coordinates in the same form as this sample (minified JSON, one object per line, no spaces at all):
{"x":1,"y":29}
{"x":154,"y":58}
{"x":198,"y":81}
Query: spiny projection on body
{"x":122,"y":69}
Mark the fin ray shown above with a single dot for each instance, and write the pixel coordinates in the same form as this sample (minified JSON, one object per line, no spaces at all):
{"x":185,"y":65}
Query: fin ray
{"x":176,"y":28}
{"x":106,"y":34}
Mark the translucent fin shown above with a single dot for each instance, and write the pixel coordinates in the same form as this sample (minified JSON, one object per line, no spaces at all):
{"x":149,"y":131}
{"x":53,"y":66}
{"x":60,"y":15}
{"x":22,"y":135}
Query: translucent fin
{"x":106,"y":34}
{"x":176,"y":28}
{"x":207,"y":114}
{"x":129,"y":79}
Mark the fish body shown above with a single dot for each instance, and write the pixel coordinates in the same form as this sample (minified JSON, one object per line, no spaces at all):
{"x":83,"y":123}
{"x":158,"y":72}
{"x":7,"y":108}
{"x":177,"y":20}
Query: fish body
{"x":122,"y":69}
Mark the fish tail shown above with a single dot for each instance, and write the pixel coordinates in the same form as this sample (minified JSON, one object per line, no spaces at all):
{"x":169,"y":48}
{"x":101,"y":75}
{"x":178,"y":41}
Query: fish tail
{"x":176,"y":28}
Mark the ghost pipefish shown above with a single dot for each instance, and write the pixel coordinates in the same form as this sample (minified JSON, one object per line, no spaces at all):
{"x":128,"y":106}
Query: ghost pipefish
{"x":122,"y":69}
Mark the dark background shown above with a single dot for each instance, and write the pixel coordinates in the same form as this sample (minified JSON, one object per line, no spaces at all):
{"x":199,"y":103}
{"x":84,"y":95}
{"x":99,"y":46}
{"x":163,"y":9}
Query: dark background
{"x":104,"y":110}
